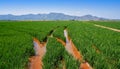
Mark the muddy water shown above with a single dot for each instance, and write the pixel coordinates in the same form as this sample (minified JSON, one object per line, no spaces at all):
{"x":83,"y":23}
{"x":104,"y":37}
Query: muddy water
{"x":70,"y":47}
{"x":85,"y":65}
{"x":61,"y":41}
{"x":35,"y":62}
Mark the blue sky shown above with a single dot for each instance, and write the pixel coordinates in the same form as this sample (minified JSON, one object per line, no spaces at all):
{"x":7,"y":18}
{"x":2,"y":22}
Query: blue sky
{"x":101,"y":8}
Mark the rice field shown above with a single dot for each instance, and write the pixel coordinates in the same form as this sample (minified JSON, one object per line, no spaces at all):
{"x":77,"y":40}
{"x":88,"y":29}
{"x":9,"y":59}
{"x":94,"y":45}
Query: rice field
{"x":99,"y":46}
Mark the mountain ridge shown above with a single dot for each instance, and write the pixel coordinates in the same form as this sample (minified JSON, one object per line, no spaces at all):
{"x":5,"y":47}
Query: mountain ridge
{"x":50,"y":16}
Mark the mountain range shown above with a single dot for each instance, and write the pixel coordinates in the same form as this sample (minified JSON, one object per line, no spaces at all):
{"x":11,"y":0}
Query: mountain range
{"x":50,"y":16}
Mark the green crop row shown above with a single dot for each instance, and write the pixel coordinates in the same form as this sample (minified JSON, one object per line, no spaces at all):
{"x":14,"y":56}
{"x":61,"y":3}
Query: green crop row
{"x":16,"y":44}
{"x":86,"y":35}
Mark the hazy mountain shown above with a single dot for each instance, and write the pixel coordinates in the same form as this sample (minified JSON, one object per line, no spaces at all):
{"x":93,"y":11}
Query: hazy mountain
{"x":50,"y":16}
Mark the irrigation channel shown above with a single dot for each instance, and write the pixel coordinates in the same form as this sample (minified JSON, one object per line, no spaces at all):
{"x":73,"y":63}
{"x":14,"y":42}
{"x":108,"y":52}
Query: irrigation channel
{"x":35,"y":62}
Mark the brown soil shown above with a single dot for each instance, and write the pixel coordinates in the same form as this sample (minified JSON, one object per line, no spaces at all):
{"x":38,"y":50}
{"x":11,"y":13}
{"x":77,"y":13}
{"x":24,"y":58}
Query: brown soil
{"x":71,"y":48}
{"x":35,"y":62}
{"x":76,"y":53}
{"x":39,"y":47}
{"x":117,"y":30}
{"x":61,"y":41}
{"x":85,"y":65}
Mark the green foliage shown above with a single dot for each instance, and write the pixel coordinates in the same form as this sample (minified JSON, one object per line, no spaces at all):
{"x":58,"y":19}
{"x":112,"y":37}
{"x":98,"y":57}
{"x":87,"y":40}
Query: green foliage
{"x":16,"y":43}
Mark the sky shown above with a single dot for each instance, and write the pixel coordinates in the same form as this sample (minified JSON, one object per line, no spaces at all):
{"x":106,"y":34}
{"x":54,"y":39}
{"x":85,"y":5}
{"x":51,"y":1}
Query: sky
{"x":101,"y":8}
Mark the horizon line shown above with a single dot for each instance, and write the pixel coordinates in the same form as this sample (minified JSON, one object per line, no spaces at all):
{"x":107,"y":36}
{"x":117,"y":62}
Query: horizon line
{"x":54,"y":12}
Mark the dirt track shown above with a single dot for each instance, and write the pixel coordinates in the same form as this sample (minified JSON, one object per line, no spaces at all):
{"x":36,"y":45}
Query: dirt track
{"x":71,"y":49}
{"x":117,"y":30}
{"x":35,"y":62}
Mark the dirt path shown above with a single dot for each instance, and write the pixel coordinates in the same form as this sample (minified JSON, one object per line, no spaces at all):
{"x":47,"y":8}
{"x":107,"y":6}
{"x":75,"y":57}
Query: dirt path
{"x":35,"y":62}
{"x":71,"y":49}
{"x":117,"y":30}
